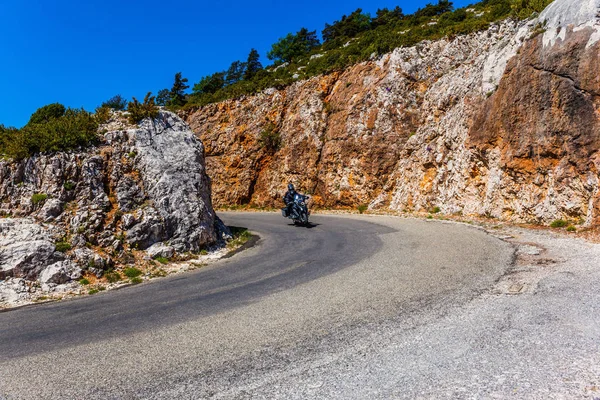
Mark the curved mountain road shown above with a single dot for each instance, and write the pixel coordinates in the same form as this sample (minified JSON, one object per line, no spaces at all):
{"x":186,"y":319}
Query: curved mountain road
{"x":296,"y":294}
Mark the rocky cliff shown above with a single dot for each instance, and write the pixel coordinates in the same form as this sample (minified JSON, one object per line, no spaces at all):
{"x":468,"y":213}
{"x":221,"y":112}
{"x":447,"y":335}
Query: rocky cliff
{"x":142,"y":192}
{"x":501,"y":123}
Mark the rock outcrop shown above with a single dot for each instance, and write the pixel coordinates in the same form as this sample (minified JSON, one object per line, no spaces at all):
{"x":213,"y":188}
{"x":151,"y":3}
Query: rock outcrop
{"x":501,"y":123}
{"x":144,"y":186}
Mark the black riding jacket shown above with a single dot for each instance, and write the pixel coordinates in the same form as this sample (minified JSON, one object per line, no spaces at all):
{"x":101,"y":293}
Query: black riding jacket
{"x":289,"y":196}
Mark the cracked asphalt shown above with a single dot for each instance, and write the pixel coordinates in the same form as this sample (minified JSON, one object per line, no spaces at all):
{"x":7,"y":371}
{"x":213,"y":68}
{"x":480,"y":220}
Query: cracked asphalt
{"x":356,"y":307}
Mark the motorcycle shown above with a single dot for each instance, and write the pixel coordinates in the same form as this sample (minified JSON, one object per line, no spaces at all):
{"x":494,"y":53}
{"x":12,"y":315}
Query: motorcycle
{"x":298,"y":212}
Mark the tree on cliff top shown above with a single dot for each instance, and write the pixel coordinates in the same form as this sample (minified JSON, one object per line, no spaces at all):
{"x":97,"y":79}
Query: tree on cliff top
{"x":177,"y":93}
{"x":430,"y":10}
{"x":386,"y":16}
{"x":253,"y":65}
{"x":293,"y":46}
{"x":235,"y":72}
{"x":349,"y":26}
{"x":47,"y":113}
{"x":117,"y":102}
{"x":210,"y":84}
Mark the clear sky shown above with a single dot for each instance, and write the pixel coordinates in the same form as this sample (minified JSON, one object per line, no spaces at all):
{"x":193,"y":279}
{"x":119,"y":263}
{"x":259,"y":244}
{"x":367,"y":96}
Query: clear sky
{"x":81,"y":53}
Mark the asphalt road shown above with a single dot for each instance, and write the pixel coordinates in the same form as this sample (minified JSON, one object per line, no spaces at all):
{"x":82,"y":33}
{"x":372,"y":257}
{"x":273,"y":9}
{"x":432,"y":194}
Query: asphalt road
{"x":298,"y":300}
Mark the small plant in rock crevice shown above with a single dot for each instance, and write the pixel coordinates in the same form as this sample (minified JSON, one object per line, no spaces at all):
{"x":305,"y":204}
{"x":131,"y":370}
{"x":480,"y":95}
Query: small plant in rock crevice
{"x":270,"y":139}
{"x":162,"y":260}
{"x":132,"y":272}
{"x":38,"y":198}
{"x":559,"y":223}
{"x":63,"y":246}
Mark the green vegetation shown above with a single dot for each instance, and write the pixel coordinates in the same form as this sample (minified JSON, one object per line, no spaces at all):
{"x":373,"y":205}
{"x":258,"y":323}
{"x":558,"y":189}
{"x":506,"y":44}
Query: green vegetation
{"x":270,"y":138}
{"x":63,"y":246}
{"x":293,"y":46}
{"x":136,"y":280}
{"x":352,"y":39}
{"x":93,"y":291}
{"x":140,"y":111}
{"x":176,"y":96}
{"x":523,"y":9}
{"x":571,"y":228}
{"x":38,"y":198}
{"x":112,"y":276}
{"x":68,"y":185}
{"x":362,"y":208}
{"x":51,"y":128}
{"x":435,"y":210}
{"x":559,"y":223}
{"x":162,"y":260}
{"x":132,"y":272}
{"x":102,"y":115}
{"x":84,"y":281}
{"x":117,"y":103}
{"x":240,"y":236}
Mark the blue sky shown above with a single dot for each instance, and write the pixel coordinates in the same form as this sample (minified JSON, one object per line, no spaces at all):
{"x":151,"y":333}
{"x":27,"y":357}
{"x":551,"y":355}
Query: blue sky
{"x":81,"y":53}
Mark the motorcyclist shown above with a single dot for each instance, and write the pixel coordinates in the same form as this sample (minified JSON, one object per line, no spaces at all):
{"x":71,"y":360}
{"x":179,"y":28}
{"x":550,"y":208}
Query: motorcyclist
{"x":288,"y":199}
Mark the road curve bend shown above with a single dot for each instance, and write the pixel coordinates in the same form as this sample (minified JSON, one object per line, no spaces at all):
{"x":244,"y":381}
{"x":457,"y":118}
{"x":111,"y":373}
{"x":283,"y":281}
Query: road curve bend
{"x":185,"y":335}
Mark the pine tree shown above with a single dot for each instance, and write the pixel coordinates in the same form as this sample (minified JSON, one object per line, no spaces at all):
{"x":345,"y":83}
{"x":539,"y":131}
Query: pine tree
{"x":253,"y":64}
{"x":293,"y":46}
{"x":235,"y":73}
{"x":177,"y":93}
{"x":117,"y":102}
{"x":163,"y":97}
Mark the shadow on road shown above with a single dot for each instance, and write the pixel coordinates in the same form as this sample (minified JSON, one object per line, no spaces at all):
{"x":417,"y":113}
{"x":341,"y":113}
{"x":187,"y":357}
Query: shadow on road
{"x":310,"y":225}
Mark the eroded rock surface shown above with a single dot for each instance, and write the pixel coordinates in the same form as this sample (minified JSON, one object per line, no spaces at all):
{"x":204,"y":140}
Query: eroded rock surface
{"x":501,"y":123}
{"x":142,"y":186}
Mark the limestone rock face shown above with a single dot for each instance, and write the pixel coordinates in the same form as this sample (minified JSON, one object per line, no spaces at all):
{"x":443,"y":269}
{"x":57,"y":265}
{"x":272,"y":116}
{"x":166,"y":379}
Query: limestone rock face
{"x":27,"y":251}
{"x":501,"y":123}
{"x":141,"y":186}
{"x":538,"y":136}
{"x":171,"y":163}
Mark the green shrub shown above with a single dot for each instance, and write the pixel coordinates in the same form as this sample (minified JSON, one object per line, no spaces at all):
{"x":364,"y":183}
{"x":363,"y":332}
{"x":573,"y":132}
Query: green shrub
{"x":102,"y":115}
{"x":362,"y":208}
{"x":47,"y":113}
{"x":84,"y":281}
{"x":136,"y":280}
{"x":38,"y":198}
{"x":571,"y":228}
{"x":93,"y":291}
{"x":63,"y":246}
{"x":49,"y":130}
{"x":112,"y":276}
{"x":270,"y":139}
{"x":435,"y":210}
{"x":524,"y":9}
{"x":132,"y":272}
{"x":117,"y":102}
{"x":140,"y":111}
{"x":559,"y":223}
{"x":240,"y":236}
{"x":162,"y":260}
{"x":69,"y":185}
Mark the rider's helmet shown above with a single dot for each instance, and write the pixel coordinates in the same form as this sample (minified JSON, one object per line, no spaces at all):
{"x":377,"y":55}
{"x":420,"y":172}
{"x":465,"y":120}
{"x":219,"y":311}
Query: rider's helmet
{"x":291,"y":187}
